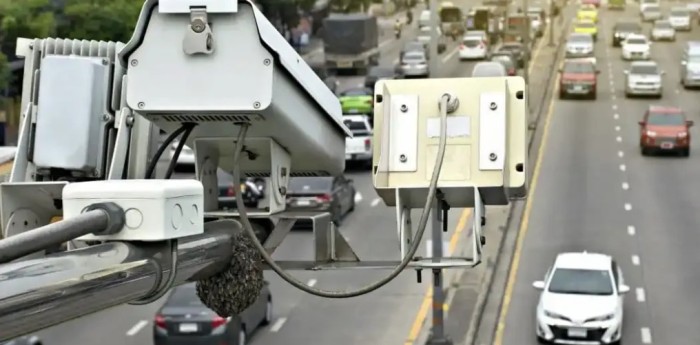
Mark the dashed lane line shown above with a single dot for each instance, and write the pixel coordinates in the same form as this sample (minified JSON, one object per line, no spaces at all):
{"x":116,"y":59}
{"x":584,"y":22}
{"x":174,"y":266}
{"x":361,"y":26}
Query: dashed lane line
{"x":135,"y":329}
{"x":376,"y":202}
{"x":628,"y":207}
{"x":646,"y":335}
{"x":635,"y":260}
{"x":278,"y":325}
{"x":641,"y":296}
{"x":631,"y":230}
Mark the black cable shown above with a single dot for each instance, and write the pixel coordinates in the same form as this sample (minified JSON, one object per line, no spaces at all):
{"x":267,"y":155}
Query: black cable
{"x":154,"y":161}
{"x":189,"y":127}
{"x":150,"y":298}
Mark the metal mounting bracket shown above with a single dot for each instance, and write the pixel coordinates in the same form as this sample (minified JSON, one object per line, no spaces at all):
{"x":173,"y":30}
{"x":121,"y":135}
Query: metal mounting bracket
{"x":199,"y":38}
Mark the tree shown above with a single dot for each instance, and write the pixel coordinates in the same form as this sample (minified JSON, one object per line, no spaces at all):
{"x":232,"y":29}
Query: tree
{"x":26,"y":18}
{"x":106,"y":20}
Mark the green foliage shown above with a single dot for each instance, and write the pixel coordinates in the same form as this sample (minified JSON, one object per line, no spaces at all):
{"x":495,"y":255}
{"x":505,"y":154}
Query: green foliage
{"x":4,"y":71}
{"x":107,"y":20}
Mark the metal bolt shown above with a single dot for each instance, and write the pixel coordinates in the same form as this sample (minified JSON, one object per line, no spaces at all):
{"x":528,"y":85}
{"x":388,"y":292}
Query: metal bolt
{"x":198,"y":25}
{"x":283,"y":190}
{"x":403,"y":158}
{"x":31,"y":45}
{"x":267,"y":62}
{"x":130,"y":120}
{"x":105,"y":62}
{"x":141,"y":105}
{"x":493,"y":157}
{"x":404,"y":108}
{"x":256,"y":105}
{"x":493,"y":106}
{"x":106,"y":117}
{"x":134,"y":62}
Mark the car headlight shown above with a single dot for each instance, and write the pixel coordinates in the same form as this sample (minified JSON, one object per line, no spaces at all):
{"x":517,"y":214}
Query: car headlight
{"x":651,"y":133}
{"x":553,"y":315}
{"x":682,"y":135}
{"x":606,"y":317}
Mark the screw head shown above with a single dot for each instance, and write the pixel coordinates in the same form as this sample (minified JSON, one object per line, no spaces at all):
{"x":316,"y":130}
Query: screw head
{"x":404,"y":108}
{"x":267,"y":62}
{"x":492,"y":157}
{"x":141,"y":105}
{"x":493,"y":106}
{"x":198,"y":25}
{"x":134,"y":62}
{"x":256,"y":105}
{"x":403,"y":158}
{"x":106,"y":117}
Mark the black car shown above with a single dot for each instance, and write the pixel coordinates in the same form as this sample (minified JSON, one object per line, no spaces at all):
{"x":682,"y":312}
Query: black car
{"x":185,"y":320}
{"x":623,"y":29}
{"x":517,"y":49}
{"x":330,"y":80}
{"x":25,"y":340}
{"x":324,"y":193}
{"x":377,"y":73}
{"x":252,"y":189}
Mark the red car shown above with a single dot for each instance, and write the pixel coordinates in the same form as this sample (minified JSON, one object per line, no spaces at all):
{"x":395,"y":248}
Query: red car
{"x":665,"y":129}
{"x":578,"y":78}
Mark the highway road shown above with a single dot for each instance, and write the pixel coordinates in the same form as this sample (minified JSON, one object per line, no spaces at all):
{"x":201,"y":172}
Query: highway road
{"x":386,"y":317}
{"x":594,"y":191}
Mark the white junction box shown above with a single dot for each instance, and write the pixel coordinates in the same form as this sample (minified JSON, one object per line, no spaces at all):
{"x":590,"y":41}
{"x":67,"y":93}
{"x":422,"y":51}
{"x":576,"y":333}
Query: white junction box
{"x":155,"y":210}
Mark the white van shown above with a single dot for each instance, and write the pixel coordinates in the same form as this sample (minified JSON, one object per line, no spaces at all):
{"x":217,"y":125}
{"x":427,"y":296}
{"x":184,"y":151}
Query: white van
{"x":424,"y":19}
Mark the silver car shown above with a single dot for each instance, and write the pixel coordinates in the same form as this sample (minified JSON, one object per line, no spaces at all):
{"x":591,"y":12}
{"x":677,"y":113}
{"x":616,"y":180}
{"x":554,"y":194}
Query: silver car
{"x":414,"y":64}
{"x":663,"y":31}
{"x":580,"y":46}
{"x":651,"y":13}
{"x":690,"y":65}
{"x":643,"y":79}
{"x":489,"y":69}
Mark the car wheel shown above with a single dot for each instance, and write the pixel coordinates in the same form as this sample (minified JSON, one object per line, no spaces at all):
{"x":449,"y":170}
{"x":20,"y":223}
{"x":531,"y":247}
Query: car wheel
{"x":644,"y":151}
{"x":242,"y":337}
{"x":337,"y":216}
{"x":268,"y":312}
{"x":562,"y":95}
{"x":594,"y":96}
{"x":352,"y":202}
{"x":686,"y":152}
{"x":541,"y":340}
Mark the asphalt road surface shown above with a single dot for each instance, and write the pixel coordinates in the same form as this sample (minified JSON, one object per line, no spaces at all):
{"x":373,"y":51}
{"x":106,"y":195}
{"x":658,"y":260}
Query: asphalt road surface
{"x":594,"y":191}
{"x":384,"y":317}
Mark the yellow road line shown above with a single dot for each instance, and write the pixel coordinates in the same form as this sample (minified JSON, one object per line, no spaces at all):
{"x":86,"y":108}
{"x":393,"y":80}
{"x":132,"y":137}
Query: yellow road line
{"x":515,"y":263}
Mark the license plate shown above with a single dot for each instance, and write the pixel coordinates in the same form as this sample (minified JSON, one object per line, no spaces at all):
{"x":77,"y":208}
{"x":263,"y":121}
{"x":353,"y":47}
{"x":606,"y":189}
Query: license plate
{"x":578,"y":88}
{"x":345,"y":64}
{"x":577,"y":333}
{"x":303,"y":202}
{"x":188,"y":327}
{"x":666,"y":145}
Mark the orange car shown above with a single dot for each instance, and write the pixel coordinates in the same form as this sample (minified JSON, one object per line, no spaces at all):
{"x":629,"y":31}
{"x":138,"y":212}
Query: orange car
{"x":665,"y":129}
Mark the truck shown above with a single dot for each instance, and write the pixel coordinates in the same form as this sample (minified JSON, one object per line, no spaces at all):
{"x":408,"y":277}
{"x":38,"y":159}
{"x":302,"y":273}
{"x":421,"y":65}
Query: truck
{"x":484,"y":18}
{"x":351,"y":42}
{"x":359,"y":147}
{"x":451,"y":20}
{"x":616,"y":4}
{"x":516,"y":26}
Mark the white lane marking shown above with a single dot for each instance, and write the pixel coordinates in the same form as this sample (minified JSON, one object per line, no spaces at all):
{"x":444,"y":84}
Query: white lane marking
{"x":376,"y":202}
{"x":613,"y":97}
{"x":136,"y":328}
{"x":625,"y":185}
{"x":630,"y":230}
{"x":450,"y":55}
{"x":635,"y":260}
{"x":646,"y":335}
{"x":620,"y":154}
{"x":614,"y":106}
{"x":616,"y":116}
{"x":312,"y":282}
{"x":619,"y":139}
{"x":628,"y":207}
{"x":612,"y":84}
{"x":623,"y":167}
{"x":358,"y":197}
{"x":278,"y":324}
{"x":678,"y":91}
{"x":617,"y":128}
{"x":641,"y":297}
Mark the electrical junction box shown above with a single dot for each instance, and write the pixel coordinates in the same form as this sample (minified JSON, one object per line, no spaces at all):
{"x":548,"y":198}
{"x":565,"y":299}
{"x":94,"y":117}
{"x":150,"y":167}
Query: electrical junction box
{"x":155,"y":210}
{"x":486,"y":140}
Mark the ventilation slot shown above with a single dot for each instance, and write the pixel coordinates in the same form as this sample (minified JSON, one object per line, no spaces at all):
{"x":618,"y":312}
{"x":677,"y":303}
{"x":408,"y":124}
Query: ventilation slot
{"x":210,"y":118}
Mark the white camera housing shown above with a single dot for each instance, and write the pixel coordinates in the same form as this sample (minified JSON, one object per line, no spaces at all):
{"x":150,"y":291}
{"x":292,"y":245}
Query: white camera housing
{"x":220,"y":65}
{"x":155,"y":210}
{"x":486,"y":140}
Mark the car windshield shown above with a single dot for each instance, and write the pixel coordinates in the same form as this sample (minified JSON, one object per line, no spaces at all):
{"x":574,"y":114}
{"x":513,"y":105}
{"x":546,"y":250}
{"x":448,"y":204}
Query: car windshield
{"x":380,"y":72}
{"x":680,"y":13}
{"x":644,"y":69}
{"x":356,"y":126}
{"x":636,"y":41}
{"x":624,"y":27}
{"x":355,"y":92}
{"x":575,"y":67}
{"x":413,"y":58}
{"x":413,"y":46}
{"x":488,"y":70}
{"x":475,"y":34}
{"x":580,"y":39}
{"x":184,"y":296}
{"x":581,"y":282}
{"x":662,"y":25}
{"x":666,"y":119}
{"x":652,"y":8}
{"x":585,"y":25}
{"x":299,"y":185}
{"x":471,"y":42}
{"x":511,"y":47}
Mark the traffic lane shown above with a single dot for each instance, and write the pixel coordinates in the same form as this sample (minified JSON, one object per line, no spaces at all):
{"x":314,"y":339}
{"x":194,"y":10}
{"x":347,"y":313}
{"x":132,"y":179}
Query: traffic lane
{"x":576,"y":205}
{"x":661,"y":194}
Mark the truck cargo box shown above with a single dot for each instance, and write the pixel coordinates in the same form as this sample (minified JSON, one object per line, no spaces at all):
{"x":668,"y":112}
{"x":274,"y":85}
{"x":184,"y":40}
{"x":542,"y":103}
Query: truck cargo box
{"x":350,"y":33}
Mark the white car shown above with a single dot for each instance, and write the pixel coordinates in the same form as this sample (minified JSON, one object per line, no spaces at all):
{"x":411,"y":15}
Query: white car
{"x":651,"y":13}
{"x":359,"y":147}
{"x":636,"y":47}
{"x":472,"y":48}
{"x":579,"y":45}
{"x":663,"y":31}
{"x":581,"y":300}
{"x":644,"y":78}
{"x":680,"y":18}
{"x":646,"y":3}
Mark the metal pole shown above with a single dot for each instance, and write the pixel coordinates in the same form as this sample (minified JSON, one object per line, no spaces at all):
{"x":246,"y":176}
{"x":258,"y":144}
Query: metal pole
{"x":526,"y":42}
{"x":551,"y":23}
{"x":437,"y":332}
{"x":39,"y":293}
{"x":433,"y":63}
